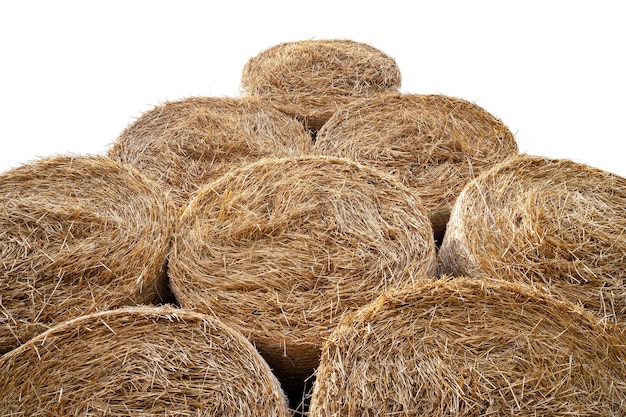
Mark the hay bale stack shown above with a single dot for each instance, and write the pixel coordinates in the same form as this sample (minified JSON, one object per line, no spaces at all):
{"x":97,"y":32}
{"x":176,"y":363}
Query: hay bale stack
{"x":434,"y":143}
{"x":156,"y":361}
{"x":281,"y":248}
{"x":77,"y":234}
{"x":471,"y":347}
{"x":312,"y":79}
{"x":182,"y":145}
{"x":544,"y":221}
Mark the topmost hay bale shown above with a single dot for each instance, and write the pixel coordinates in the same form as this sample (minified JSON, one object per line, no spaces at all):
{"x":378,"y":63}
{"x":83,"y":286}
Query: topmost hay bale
{"x":77,"y":234}
{"x":182,"y":145}
{"x":434,"y":143}
{"x":157,"y":361}
{"x":311,"y":79}
{"x":551,"y":222}
{"x":281,"y":248}
{"x":471,"y":347}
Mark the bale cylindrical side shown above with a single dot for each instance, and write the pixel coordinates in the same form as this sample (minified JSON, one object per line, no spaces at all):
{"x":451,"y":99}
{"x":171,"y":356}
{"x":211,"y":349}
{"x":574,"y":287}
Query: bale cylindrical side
{"x":434,"y":143}
{"x":311,"y":79}
{"x":471,"y":347}
{"x":182,"y":145}
{"x":78,"y":234}
{"x":281,"y":248}
{"x":157,"y":361}
{"x":551,"y":222}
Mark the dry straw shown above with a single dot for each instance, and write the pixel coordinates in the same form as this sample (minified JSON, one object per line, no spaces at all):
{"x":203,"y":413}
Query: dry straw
{"x":77,"y":234}
{"x":182,"y":145}
{"x":543,"y":221}
{"x":311,"y":79}
{"x":282,"y":248}
{"x":471,"y":347}
{"x":434,"y":143}
{"x":157,"y":361}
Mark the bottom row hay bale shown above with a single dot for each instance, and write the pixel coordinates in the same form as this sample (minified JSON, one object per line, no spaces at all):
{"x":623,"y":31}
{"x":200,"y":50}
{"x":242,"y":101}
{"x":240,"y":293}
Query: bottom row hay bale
{"x":543,"y":221}
{"x":142,"y":361}
{"x":471,"y":347}
{"x":78,"y":234}
{"x":280,"y":249}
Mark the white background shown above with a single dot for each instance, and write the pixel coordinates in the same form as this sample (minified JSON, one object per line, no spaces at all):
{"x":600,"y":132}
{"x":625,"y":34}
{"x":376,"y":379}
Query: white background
{"x":74,"y":74}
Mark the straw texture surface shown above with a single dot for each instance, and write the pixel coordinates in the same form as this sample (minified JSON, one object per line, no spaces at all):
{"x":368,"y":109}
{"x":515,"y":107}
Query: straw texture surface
{"x":471,"y":347}
{"x":550,"y":222}
{"x":434,"y":143}
{"x":156,"y":361}
{"x":182,"y":145}
{"x":77,"y":234}
{"x":311,"y":79}
{"x":282,"y":248}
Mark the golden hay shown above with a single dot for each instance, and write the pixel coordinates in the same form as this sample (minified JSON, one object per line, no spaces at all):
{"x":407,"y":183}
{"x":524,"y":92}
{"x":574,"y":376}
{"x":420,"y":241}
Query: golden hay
{"x":543,"y":221}
{"x":158,"y":361}
{"x":433,"y":143}
{"x":471,"y":347}
{"x":184,"y":144}
{"x":311,"y":79}
{"x":281,"y":248}
{"x":77,"y":234}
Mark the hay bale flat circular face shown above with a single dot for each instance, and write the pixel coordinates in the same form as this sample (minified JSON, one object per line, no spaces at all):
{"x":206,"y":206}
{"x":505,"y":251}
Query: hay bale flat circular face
{"x":544,"y":221}
{"x":433,"y":143}
{"x":157,"y":361}
{"x":471,"y":347}
{"x":184,"y":144}
{"x":281,"y":248}
{"x":77,"y":234}
{"x":311,"y":79}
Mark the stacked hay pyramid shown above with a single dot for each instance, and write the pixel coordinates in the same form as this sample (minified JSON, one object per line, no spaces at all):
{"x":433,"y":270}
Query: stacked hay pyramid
{"x":322,"y":245}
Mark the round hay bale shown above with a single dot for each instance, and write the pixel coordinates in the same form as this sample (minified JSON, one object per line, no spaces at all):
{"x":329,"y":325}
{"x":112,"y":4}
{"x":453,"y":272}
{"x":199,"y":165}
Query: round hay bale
{"x":281,"y":248}
{"x":311,"y":79}
{"x":182,"y":145}
{"x":157,"y":361}
{"x":551,"y":222}
{"x":434,"y":143}
{"x":78,"y":234}
{"x":471,"y":347}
